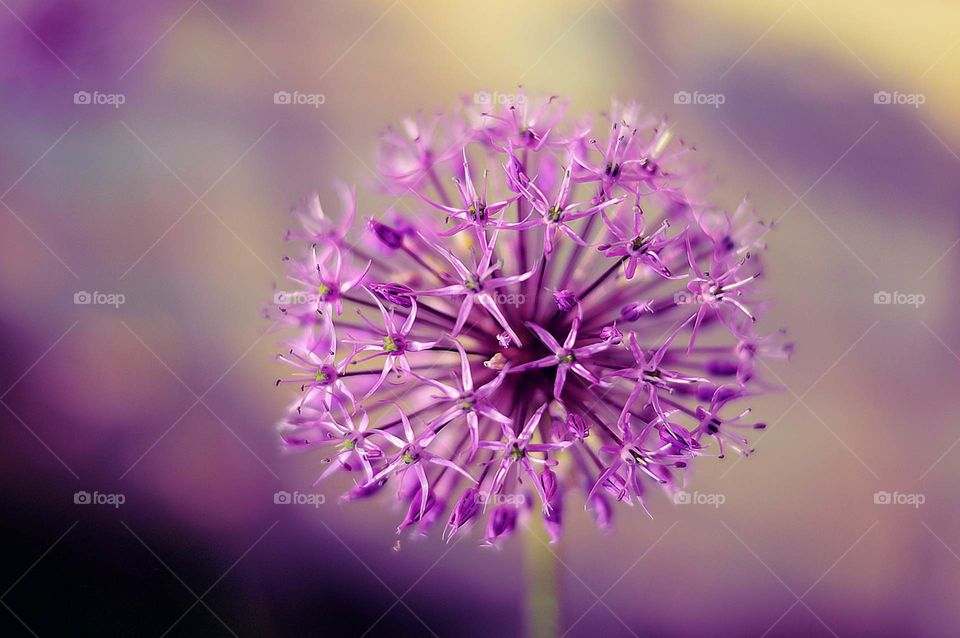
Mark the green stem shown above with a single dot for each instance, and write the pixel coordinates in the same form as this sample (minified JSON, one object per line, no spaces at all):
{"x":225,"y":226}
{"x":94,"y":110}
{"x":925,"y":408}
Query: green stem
{"x":541,"y":605}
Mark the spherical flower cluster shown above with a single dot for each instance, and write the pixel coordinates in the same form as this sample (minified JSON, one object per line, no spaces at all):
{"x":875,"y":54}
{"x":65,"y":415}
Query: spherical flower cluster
{"x":540,"y":316}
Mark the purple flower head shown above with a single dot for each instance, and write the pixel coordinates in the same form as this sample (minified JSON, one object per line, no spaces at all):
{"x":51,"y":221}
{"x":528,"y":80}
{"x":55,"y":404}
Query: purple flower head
{"x":632,"y":464}
{"x":578,"y":427}
{"x":565,"y":357}
{"x":325,"y":281}
{"x":635,"y":247}
{"x":565,"y":299}
{"x":475,"y":285}
{"x":712,"y":291}
{"x":465,"y":509}
{"x":319,"y":228}
{"x":554,"y":215}
{"x":548,"y":483}
{"x":725,"y":430}
{"x":612,"y":334}
{"x":421,"y":503}
{"x":475,"y":212}
{"x":527,"y":125}
{"x":350,"y":438}
{"x":388,"y":236}
{"x":518,"y":449}
{"x":528,"y":331}
{"x":501,"y":523}
{"x":633,"y":311}
{"x":397,"y":294}
{"x":390,"y":343}
{"x":412,"y":455}
{"x":407,"y":156}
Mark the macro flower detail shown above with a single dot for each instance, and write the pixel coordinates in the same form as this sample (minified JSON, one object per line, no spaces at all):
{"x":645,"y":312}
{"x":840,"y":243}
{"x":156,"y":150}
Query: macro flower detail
{"x":565,"y":357}
{"x":520,"y":331}
{"x":476,"y":286}
{"x":635,"y":247}
{"x":475,"y":212}
{"x":472,"y":403}
{"x":412,"y":454}
{"x":391,"y":342}
{"x":513,"y":449}
{"x":556,"y":216}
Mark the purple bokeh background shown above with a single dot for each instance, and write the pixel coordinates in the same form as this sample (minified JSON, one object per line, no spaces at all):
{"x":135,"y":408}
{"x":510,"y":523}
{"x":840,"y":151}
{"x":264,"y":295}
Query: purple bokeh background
{"x":178,"y":200}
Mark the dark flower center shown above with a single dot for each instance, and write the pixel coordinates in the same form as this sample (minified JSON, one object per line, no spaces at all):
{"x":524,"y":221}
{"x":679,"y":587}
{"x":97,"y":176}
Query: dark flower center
{"x":478,"y":212}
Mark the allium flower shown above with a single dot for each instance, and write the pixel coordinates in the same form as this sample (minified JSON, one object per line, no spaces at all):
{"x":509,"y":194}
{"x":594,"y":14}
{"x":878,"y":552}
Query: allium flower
{"x":531,"y":324}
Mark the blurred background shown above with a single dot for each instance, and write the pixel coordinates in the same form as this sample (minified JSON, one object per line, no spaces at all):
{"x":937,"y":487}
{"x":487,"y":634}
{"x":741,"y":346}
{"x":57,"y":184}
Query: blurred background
{"x":144,"y":159}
